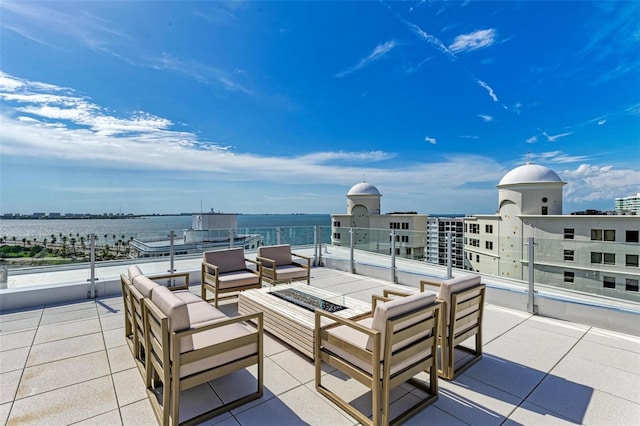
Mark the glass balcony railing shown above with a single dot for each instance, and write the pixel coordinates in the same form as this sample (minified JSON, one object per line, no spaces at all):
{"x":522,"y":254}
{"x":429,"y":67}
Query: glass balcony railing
{"x":604,"y":268}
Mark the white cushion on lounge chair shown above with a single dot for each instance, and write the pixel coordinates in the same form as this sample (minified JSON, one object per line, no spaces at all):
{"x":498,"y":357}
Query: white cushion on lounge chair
{"x":144,"y":285}
{"x":395,"y":307}
{"x":237,"y":279}
{"x":287,"y":272}
{"x":454,"y":285}
{"x":133,"y":271}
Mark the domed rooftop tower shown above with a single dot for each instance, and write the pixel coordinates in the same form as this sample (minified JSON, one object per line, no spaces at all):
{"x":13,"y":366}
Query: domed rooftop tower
{"x":531,"y":190}
{"x":363,"y":196}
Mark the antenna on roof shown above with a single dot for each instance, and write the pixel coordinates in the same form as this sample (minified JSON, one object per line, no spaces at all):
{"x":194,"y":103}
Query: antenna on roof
{"x":363,"y":178}
{"x":529,"y":157}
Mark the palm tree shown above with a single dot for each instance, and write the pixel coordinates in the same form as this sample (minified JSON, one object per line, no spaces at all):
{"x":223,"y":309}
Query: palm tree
{"x":72,"y":241}
{"x":24,"y":242}
{"x":44,"y":242}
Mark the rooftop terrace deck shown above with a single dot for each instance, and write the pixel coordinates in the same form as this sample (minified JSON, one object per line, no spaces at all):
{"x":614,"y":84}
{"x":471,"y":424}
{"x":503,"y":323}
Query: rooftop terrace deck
{"x":69,"y":364}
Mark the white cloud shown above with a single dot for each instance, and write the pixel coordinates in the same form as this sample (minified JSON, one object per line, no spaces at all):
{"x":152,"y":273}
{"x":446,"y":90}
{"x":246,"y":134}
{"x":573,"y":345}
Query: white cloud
{"x":556,"y":157}
{"x":378,"y":53}
{"x":432,"y":141}
{"x":532,"y":139}
{"x":473,"y":41}
{"x":589,"y":183}
{"x":601,"y":122}
{"x":489,"y":89}
{"x":555,"y":137}
{"x":485,"y":118}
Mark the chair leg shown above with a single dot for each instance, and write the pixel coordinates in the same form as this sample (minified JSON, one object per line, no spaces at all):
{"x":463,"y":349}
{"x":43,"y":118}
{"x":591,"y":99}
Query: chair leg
{"x":175,"y":401}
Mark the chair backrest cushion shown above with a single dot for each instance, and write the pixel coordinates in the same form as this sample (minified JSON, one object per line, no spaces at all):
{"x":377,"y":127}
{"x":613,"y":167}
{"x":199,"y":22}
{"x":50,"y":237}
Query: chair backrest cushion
{"x":133,"y":272}
{"x":144,"y":285}
{"x":454,"y":285}
{"x":174,"y":308}
{"x":227,"y":260}
{"x":393,"y":308}
{"x":281,"y":253}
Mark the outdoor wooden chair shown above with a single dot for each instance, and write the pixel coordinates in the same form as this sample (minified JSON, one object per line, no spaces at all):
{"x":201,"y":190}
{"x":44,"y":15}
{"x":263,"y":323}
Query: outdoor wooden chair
{"x":135,"y":287}
{"x":225,"y":271}
{"x":382,"y":350}
{"x":277,"y":264}
{"x":189,"y":344}
{"x":463,"y":309}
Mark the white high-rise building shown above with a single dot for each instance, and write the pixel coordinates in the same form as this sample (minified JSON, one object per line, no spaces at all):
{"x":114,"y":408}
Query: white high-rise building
{"x":592,"y":253}
{"x":628,"y":205}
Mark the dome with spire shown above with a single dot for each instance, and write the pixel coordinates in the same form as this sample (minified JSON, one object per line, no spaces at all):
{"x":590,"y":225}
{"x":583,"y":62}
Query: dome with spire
{"x":363,"y":188}
{"x":530,"y":173}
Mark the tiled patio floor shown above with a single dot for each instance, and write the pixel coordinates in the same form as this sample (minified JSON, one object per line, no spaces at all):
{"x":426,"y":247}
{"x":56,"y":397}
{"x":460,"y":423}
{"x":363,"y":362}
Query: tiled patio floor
{"x":70,"y":364}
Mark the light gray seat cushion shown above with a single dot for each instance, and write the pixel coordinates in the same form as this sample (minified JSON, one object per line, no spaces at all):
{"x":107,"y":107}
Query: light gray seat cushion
{"x":144,"y":285}
{"x":236,"y":279}
{"x":133,"y":271}
{"x":288,"y":272}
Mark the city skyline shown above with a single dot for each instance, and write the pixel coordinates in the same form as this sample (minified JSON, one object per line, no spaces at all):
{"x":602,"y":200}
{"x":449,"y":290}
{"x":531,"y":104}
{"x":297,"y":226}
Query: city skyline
{"x":280,"y":107}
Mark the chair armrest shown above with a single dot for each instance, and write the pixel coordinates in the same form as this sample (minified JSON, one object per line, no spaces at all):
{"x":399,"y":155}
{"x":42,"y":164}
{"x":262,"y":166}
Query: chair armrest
{"x":185,"y":275}
{"x":424,"y":283}
{"x":342,"y":321}
{"x":375,"y":298}
{"x":307,"y":258}
{"x":255,"y":262}
{"x":206,"y":265}
{"x":265,"y":262}
{"x":389,"y":292}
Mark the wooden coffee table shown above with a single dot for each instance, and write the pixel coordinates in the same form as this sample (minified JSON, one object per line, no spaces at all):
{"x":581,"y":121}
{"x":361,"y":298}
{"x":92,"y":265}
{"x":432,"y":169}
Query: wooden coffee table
{"x":291,"y":323}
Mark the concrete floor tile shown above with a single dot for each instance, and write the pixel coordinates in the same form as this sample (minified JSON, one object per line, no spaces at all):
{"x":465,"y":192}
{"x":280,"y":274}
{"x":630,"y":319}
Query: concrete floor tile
{"x":46,"y":377}
{"x":272,"y":345}
{"x":5,"y":409}
{"x":19,"y":339}
{"x":298,"y":406}
{"x":599,"y":376}
{"x":67,"y":348}
{"x":51,"y":333}
{"x":19,"y":315}
{"x":14,"y":359}
{"x":475,"y":402}
{"x":433,"y":416}
{"x":64,"y":316}
{"x":297,"y":365}
{"x":129,"y":386}
{"x":66,"y":405}
{"x":29,"y":323}
{"x":10,"y":382}
{"x":138,"y":414}
{"x":114,"y":338}
{"x":531,"y":414}
{"x":112,"y":321}
{"x":241,"y":383}
{"x":532,"y":354}
{"x":613,"y":339}
{"x":505,"y":375}
{"x":564,"y":328}
{"x":120,"y":358}
{"x":109,"y":418}
{"x":618,"y":358}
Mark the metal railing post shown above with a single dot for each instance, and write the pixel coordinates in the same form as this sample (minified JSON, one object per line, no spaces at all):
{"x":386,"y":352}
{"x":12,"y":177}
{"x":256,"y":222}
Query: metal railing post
{"x":531,"y":306}
{"x":320,"y":261}
{"x":315,"y":246}
{"x":449,"y":254}
{"x":352,"y":260}
{"x":92,"y":267}
{"x":172,"y":236}
{"x":278,"y":235}
{"x":232,"y":238}
{"x":394,"y":279}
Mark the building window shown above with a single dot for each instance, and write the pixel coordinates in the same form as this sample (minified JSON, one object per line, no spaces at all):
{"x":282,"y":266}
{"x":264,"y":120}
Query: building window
{"x":470,"y":256}
{"x":609,"y":282}
{"x":631,"y":260}
{"x":408,"y":251}
{"x":609,"y":258}
{"x":545,"y":210}
{"x":569,"y":233}
{"x":631,"y":237}
{"x":488,"y":229}
{"x":568,"y":277}
{"x":336,"y":223}
{"x":568,"y":255}
{"x":336,"y":235}
{"x":474,"y":228}
{"x":544,"y":199}
{"x":488,"y":245}
{"x":596,"y":257}
{"x":405,"y":225}
{"x":609,"y":234}
{"x":631,"y":285}
{"x":474,"y":242}
{"x":596,"y":235}
{"x":477,"y":258}
{"x":405,"y":238}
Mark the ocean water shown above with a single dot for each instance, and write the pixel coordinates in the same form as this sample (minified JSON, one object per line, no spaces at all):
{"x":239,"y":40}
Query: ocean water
{"x":159,"y":226}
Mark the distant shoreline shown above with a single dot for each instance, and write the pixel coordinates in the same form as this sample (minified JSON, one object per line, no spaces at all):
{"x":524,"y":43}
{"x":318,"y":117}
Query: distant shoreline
{"x":38,"y":216}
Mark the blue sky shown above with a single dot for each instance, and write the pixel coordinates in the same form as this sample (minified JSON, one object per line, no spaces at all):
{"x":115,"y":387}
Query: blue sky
{"x":281,"y":107}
